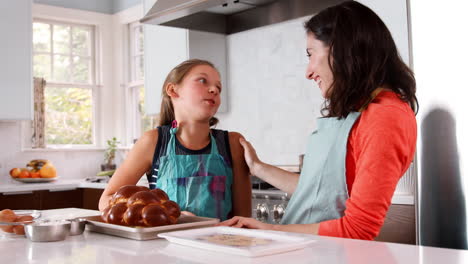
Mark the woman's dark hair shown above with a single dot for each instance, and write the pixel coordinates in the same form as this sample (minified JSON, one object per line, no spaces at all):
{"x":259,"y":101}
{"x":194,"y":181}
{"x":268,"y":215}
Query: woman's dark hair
{"x":363,"y":56}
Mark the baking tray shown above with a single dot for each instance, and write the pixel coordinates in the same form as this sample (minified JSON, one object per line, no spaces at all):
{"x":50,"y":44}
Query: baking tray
{"x":240,"y":241}
{"x":96,"y":224}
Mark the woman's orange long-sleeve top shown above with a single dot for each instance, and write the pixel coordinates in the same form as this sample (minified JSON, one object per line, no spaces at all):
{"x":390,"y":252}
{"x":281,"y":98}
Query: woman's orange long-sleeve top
{"x":380,"y":149}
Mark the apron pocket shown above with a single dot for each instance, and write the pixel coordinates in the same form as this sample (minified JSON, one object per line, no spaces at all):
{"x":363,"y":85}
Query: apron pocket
{"x":201,"y":195}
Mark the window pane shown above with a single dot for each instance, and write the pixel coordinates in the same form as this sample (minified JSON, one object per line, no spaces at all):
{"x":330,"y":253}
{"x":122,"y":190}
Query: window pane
{"x":141,"y":43}
{"x":41,"y":37}
{"x":68,"y":116}
{"x":147,"y":122}
{"x":42,"y":66}
{"x":140,"y":70}
{"x":81,"y":41}
{"x":61,"y":68}
{"x":61,"y":39}
{"x":81,"y":68}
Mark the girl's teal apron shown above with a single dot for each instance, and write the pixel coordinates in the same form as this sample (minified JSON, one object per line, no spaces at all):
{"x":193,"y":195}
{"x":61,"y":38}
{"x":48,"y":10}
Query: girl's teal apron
{"x":321,"y":191}
{"x":200,"y":184}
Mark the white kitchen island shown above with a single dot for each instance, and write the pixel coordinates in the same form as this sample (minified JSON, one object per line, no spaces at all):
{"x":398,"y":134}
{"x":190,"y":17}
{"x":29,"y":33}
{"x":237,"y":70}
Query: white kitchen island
{"x":99,"y":248}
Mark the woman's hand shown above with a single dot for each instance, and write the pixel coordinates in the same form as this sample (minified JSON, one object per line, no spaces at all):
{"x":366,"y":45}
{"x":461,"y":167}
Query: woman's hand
{"x":250,"y":156}
{"x":187,"y":213}
{"x":245,"y":222}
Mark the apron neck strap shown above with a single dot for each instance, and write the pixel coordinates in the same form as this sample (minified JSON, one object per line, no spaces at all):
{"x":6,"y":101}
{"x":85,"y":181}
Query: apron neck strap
{"x":372,"y":97}
{"x":171,"y":145}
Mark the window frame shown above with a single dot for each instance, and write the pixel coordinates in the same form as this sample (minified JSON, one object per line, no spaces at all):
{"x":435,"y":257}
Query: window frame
{"x":132,"y":85}
{"x":93,"y":72}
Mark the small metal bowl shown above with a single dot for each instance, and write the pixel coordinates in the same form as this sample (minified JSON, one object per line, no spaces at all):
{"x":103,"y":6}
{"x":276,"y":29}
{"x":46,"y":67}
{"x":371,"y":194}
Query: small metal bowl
{"x":77,"y":226}
{"x":47,"y":231}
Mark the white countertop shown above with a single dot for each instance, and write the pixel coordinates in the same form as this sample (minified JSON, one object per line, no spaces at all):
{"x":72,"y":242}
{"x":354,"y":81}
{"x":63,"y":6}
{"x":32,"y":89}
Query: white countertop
{"x":99,"y":248}
{"x":11,"y":186}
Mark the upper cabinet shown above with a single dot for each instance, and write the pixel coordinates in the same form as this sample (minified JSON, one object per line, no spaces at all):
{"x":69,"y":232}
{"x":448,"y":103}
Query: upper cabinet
{"x":166,"y":47}
{"x":16,"y":85}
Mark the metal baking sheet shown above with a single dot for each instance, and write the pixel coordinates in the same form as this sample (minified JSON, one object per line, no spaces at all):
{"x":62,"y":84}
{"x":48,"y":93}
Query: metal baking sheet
{"x":95,"y":224}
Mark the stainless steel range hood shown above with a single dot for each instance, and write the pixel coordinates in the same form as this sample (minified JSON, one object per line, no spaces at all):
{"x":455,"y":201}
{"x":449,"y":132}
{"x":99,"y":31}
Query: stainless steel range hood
{"x":230,"y":16}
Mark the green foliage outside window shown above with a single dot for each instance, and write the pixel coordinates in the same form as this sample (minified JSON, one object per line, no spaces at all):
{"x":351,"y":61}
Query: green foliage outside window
{"x":63,"y":54}
{"x":68,"y":116}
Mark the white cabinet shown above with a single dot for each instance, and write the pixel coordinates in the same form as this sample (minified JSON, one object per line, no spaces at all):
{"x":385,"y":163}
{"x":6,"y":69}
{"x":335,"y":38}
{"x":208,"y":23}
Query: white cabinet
{"x":166,"y":47}
{"x":16,"y":83}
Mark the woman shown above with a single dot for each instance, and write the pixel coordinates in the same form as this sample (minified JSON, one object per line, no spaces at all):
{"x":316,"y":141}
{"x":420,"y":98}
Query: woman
{"x":365,"y":140}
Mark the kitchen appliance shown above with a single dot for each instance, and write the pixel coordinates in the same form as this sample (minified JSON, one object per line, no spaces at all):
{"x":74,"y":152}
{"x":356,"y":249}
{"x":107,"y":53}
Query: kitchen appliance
{"x":443,"y":126}
{"x":230,"y":16}
{"x":269,"y":203}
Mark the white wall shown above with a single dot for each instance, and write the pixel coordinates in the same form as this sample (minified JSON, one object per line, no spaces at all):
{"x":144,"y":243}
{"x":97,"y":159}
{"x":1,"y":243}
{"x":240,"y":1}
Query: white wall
{"x":270,"y":101}
{"x":69,"y":164}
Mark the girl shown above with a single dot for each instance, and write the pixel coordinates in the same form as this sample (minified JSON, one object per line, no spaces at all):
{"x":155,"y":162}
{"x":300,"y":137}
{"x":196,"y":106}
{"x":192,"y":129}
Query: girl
{"x":201,"y":169}
{"x":364,"y":142}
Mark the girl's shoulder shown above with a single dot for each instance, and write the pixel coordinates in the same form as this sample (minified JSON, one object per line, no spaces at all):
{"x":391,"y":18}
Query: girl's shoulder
{"x":234,"y":136}
{"x":149,"y":136}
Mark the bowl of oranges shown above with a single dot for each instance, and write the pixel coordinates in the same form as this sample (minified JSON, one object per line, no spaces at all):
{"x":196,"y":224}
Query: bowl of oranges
{"x":38,"y":170}
{"x":12,"y":222}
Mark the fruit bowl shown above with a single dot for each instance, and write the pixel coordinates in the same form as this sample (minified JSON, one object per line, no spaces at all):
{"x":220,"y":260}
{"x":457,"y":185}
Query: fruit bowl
{"x":7,"y":229}
{"x":35,"y":180}
{"x":38,"y":170}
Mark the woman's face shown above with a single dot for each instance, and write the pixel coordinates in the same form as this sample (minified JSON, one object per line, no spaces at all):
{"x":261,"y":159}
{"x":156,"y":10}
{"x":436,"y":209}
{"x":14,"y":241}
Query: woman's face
{"x":318,"y":68}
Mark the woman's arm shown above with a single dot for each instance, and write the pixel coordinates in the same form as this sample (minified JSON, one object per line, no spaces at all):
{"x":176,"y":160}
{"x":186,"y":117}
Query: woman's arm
{"x":245,"y":222}
{"x":241,"y":186}
{"x":138,"y":162}
{"x":281,"y":179}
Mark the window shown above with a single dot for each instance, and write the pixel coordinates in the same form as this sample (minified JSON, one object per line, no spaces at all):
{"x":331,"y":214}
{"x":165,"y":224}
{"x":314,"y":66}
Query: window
{"x":139,"y":120}
{"x":64,"y":56}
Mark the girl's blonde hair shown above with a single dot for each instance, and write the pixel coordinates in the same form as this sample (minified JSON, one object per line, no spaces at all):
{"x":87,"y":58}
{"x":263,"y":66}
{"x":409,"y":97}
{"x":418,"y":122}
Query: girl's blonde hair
{"x":176,"y":76}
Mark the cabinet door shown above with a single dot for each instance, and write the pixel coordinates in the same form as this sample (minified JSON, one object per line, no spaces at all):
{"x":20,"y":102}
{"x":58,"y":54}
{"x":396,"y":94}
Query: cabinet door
{"x":399,"y":226}
{"x":16,"y":63}
{"x":61,"y":199}
{"x":165,"y":47}
{"x":20,"y":201}
{"x":91,"y":198}
{"x":211,"y":47}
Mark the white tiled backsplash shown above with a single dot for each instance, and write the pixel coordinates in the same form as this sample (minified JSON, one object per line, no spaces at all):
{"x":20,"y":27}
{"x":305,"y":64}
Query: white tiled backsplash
{"x":69,"y":164}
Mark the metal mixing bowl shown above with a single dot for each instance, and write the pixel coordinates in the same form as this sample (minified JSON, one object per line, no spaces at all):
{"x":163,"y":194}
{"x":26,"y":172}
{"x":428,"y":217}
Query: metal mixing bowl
{"x":47,"y":231}
{"x":77,"y":226}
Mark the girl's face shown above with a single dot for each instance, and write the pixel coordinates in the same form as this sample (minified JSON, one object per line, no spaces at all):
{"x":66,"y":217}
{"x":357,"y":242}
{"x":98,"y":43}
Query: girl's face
{"x":198,"y":95}
{"x":318,"y":68}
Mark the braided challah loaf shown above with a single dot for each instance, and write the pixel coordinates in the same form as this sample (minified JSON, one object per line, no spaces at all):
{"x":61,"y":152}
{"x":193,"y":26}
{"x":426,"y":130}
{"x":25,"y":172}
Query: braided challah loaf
{"x":139,"y":206}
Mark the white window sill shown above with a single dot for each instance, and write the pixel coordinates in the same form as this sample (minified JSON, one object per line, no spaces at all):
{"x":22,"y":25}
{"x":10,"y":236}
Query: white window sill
{"x":69,"y":149}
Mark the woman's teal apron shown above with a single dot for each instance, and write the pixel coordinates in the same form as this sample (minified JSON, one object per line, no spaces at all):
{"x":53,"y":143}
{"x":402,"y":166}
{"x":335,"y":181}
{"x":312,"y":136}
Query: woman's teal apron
{"x":321,"y":192}
{"x":200,"y":184}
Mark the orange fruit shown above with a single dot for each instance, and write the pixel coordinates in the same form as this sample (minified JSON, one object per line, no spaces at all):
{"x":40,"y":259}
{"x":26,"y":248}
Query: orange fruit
{"x":7,"y":215}
{"x":24,"y":174}
{"x":35,"y":174}
{"x":48,"y":171}
{"x":15,"y":172}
